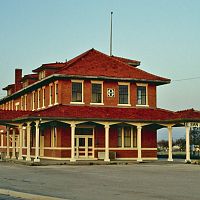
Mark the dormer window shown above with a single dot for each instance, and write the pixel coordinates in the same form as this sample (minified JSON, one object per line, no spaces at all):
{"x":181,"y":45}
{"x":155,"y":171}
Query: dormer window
{"x":25,"y":84}
{"x":9,"y":92}
{"x":41,"y":75}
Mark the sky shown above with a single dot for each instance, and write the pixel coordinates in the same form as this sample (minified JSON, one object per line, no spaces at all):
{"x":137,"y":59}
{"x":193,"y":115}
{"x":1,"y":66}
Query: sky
{"x":163,"y":34}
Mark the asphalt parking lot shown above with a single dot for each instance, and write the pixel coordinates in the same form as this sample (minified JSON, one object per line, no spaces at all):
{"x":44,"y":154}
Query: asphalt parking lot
{"x":153,"y":181}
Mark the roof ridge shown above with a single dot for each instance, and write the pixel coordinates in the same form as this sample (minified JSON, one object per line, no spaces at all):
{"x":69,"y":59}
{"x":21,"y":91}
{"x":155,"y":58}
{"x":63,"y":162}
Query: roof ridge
{"x":77,"y":58}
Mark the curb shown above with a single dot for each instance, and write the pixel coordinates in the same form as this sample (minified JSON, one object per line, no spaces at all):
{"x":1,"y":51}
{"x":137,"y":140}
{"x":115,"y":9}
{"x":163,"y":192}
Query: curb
{"x":27,"y":195}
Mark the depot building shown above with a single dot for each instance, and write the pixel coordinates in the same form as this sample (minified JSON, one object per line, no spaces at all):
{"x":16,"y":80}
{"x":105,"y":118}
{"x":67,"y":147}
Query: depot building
{"x":92,"y":107}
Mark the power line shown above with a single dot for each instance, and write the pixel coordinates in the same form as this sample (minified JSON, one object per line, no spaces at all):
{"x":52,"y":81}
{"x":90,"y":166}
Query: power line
{"x":187,"y":79}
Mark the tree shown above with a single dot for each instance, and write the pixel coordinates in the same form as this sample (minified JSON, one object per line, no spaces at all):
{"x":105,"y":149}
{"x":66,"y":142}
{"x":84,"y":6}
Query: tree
{"x":195,"y":136}
{"x":163,"y":144}
{"x":181,"y":143}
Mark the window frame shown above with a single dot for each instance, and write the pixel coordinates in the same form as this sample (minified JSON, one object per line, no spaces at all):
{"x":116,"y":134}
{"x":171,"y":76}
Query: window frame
{"x":142,"y":85}
{"x":129,"y":94}
{"x":51,"y":94}
{"x":100,"y":83}
{"x":56,"y":92}
{"x":133,"y":137}
{"x":82,"y":96}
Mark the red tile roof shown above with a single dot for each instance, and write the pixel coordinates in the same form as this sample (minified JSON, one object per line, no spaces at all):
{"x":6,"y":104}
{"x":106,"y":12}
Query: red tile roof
{"x":7,"y":115}
{"x":30,"y":76}
{"x":75,"y":112}
{"x":56,"y":65}
{"x":127,"y":61}
{"x":9,"y":87}
{"x":95,"y":63}
{"x":104,"y":113}
{"x":189,"y":114}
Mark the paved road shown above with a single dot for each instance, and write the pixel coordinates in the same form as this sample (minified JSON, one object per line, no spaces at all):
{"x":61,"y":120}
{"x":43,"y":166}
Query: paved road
{"x":109,"y":182}
{"x":7,"y":197}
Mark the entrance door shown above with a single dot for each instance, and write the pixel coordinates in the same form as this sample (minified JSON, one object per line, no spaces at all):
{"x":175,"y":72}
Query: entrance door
{"x":84,"y":146}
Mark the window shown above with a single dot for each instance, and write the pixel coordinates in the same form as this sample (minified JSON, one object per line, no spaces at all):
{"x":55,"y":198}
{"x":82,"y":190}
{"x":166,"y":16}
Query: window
{"x":50,"y":94}
{"x":17,"y":106}
{"x":53,"y":137}
{"x":22,"y":103}
{"x":119,"y":137}
{"x":124,"y":93}
{"x":127,"y":137}
{"x":56,"y":92}
{"x":39,"y":98}
{"x":25,"y":102}
{"x":141,"y":95}
{"x":33,"y":100}
{"x":96,"y":92}
{"x":77,"y":92}
{"x":41,"y":75}
{"x":43,"y":97}
{"x":12,"y":106}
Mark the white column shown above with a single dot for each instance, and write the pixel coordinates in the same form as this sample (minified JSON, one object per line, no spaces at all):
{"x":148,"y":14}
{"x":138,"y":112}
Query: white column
{"x":28,"y":129}
{"x":107,"y":159}
{"x":37,"y":138}
{"x":8,"y":142}
{"x":170,"y":143}
{"x":2,"y":139}
{"x":20,"y":143}
{"x":139,"y":143}
{"x":13,"y":145}
{"x":23,"y":136}
{"x":187,"y":128}
{"x":73,"y":126}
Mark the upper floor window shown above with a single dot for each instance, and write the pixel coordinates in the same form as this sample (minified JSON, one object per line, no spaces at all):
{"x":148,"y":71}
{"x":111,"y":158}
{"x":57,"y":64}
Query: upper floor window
{"x":43,"y":97}
{"x":56,"y":92}
{"x":77,"y":91}
{"x":9,"y":92}
{"x":50,"y":94}
{"x":22,"y":103}
{"x":25,"y":84}
{"x":33,"y":100}
{"x":97,"y":93}
{"x":39,"y":98}
{"x":25,"y":102}
{"x":124,"y":93}
{"x":41,"y":75}
{"x":142,"y":95}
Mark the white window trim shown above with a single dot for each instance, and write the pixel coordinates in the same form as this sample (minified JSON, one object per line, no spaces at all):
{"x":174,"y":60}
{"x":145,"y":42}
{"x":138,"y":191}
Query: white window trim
{"x":54,"y":132}
{"x":25,"y":102}
{"x":12,"y":106}
{"x":143,"y":85}
{"x":9,"y":105}
{"x":122,"y":140}
{"x":102,"y":100}
{"x":16,"y":106}
{"x":22,"y":105}
{"x":78,"y":81}
{"x":129,"y":94}
{"x":33,"y":100}
{"x":38,"y":99}
{"x":56,"y":95}
{"x":43,"y":96}
{"x":50,"y":94}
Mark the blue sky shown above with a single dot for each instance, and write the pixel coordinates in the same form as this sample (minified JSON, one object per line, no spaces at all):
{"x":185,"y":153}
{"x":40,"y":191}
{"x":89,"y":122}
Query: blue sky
{"x":163,"y":34}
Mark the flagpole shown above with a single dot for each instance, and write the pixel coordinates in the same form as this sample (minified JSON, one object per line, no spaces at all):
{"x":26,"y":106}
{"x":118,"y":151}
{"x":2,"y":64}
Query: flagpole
{"x":111,"y":34}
